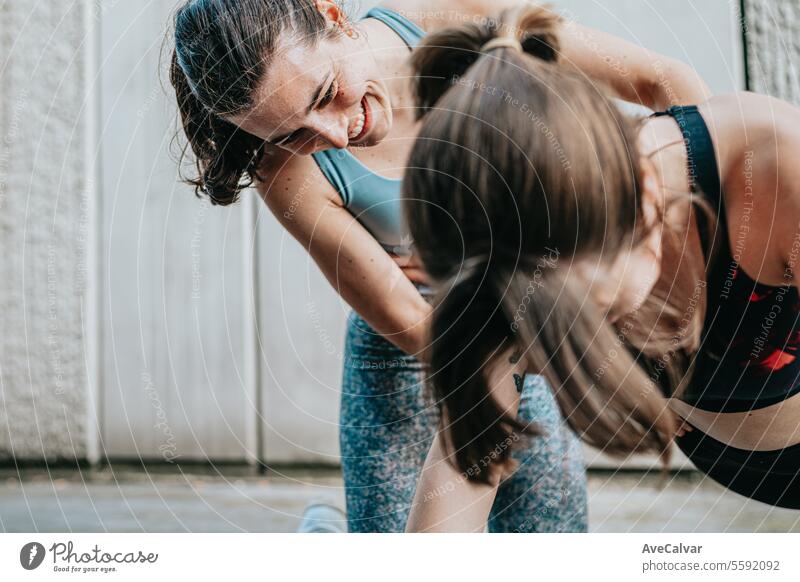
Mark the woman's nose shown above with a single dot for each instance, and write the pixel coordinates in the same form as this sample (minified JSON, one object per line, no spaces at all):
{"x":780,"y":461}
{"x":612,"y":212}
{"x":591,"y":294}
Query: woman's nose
{"x":334,"y":131}
{"x":337,"y":136}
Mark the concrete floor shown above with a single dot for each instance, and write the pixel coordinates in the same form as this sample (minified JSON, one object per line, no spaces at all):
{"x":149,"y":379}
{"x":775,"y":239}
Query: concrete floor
{"x":235,"y":500}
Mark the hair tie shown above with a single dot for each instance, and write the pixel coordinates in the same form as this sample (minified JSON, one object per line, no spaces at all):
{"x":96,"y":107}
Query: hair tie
{"x":502,"y":42}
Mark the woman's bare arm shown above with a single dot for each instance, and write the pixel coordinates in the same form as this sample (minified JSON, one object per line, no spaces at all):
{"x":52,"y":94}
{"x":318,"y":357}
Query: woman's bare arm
{"x":446,"y":500}
{"x":633,"y":73}
{"x":348,"y":255}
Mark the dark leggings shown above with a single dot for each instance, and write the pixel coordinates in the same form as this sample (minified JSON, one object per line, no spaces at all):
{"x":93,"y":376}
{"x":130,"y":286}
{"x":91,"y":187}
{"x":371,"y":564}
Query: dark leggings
{"x":388,"y":422}
{"x":769,"y":476}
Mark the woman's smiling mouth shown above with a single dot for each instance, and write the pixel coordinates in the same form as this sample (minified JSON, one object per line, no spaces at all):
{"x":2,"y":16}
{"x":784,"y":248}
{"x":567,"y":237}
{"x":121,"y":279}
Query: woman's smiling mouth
{"x":360,"y":126}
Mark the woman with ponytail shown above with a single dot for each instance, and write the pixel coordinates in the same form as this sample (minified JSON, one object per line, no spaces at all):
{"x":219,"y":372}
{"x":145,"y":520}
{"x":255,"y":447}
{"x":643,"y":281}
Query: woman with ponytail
{"x":316,"y":111}
{"x":562,"y":240}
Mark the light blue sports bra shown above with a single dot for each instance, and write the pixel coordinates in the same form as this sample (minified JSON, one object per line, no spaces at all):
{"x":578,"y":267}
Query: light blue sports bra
{"x":373,"y":199}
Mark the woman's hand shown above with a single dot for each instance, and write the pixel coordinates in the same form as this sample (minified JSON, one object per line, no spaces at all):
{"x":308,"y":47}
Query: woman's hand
{"x":683,"y":427}
{"x":412,"y":268}
{"x":354,"y":263}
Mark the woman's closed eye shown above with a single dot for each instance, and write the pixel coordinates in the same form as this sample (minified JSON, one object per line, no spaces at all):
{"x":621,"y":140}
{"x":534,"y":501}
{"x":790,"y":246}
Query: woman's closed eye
{"x":330,"y":95}
{"x":289,"y":138}
{"x":327,"y":99}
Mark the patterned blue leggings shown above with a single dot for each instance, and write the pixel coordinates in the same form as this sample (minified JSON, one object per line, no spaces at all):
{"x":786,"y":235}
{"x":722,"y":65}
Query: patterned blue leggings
{"x":388,"y":421}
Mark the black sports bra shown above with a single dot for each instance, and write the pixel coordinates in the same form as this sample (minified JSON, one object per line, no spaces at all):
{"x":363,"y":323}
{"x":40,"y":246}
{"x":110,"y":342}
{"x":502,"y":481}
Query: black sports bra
{"x":749,"y":354}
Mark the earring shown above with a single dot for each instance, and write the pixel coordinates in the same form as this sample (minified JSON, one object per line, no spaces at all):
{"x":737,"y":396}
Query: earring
{"x":350,"y":30}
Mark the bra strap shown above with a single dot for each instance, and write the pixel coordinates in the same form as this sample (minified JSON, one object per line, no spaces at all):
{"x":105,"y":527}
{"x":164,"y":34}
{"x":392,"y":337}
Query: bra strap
{"x":702,"y":163}
{"x":407,"y":30}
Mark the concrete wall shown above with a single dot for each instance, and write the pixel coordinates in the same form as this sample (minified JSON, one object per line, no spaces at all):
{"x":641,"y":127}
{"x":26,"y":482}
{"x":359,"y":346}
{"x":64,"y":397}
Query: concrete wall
{"x":178,"y":365}
{"x":773,"y":28}
{"x":46,"y":230}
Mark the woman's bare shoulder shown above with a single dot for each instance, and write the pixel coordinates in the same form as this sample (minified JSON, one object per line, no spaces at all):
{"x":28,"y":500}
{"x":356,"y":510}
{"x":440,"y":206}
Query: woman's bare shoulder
{"x":751,"y":112}
{"x":285,"y":178}
{"x":757,"y":129}
{"x":758,"y":145}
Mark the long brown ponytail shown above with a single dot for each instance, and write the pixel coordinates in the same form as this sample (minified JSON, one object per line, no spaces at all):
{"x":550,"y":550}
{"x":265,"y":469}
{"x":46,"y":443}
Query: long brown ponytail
{"x":520,"y":169}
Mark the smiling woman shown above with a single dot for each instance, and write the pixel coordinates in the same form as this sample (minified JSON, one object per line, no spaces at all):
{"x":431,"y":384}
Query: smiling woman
{"x":344,"y":107}
{"x":227,"y":156}
{"x":317,"y":112}
{"x":251,"y":100}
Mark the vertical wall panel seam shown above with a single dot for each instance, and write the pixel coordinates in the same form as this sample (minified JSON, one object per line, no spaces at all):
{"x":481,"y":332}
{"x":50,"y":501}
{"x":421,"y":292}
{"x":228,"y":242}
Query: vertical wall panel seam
{"x":252,"y":375}
{"x":745,"y":30}
{"x":92,"y":296}
{"x":260,"y":412}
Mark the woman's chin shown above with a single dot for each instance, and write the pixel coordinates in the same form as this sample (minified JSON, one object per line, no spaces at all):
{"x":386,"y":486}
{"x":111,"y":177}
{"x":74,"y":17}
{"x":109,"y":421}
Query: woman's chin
{"x":375,"y":137}
{"x":381,"y":122}
{"x":376,"y":134}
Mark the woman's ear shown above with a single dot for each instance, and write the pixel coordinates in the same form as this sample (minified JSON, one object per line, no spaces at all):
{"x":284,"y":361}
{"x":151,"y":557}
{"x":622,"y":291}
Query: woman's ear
{"x":334,"y":14}
{"x":652,"y":197}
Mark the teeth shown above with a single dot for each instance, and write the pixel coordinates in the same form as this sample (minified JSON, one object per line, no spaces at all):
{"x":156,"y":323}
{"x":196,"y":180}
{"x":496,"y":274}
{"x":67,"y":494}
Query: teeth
{"x":358,"y":126}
